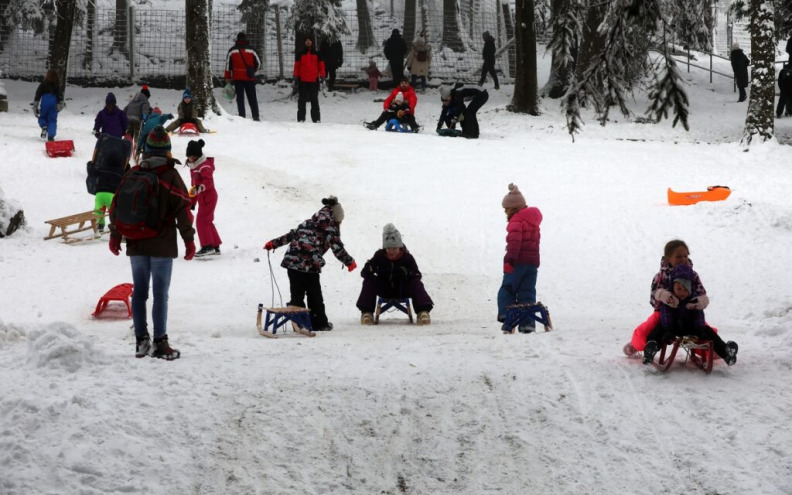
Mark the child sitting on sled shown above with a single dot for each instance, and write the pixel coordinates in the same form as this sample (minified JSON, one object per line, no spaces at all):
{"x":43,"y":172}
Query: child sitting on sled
{"x":681,"y":315}
{"x":304,"y":259}
{"x":392,"y":273}
{"x":187,"y":114}
{"x":521,"y":263}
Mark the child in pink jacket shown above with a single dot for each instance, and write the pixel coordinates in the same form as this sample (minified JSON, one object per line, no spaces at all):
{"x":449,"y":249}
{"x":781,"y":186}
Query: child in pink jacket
{"x":521,"y":263}
{"x":205,"y":196}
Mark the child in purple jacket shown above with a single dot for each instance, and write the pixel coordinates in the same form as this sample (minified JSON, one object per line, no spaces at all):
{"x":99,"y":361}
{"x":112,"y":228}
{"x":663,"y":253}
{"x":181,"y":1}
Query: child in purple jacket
{"x":111,"y":119}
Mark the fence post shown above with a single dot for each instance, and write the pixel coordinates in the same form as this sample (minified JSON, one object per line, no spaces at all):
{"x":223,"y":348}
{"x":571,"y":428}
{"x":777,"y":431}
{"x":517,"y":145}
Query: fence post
{"x":131,"y":38}
{"x":688,"y":60}
{"x":710,"y":67}
{"x":280,"y":42}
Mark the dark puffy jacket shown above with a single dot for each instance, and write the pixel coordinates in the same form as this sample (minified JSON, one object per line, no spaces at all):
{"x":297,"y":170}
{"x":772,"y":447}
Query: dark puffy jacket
{"x":113,"y":122}
{"x":522,"y":237}
{"x":173,"y":202}
{"x":392,"y":274}
{"x":740,"y":63}
{"x":395,"y":48}
{"x":185,"y":111}
{"x":332,"y":54}
{"x":310,"y":241}
{"x":46,"y":88}
{"x":488,"y":53}
{"x":138,"y":107}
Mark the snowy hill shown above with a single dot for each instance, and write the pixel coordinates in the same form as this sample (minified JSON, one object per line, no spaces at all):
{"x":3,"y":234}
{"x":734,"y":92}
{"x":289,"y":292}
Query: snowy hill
{"x":451,"y":408}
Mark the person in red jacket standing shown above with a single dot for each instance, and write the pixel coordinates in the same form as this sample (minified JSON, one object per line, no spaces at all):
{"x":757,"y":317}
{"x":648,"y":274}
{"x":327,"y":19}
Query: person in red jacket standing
{"x":521,"y":263}
{"x":409,"y":96}
{"x":309,"y":71}
{"x":241,"y":66}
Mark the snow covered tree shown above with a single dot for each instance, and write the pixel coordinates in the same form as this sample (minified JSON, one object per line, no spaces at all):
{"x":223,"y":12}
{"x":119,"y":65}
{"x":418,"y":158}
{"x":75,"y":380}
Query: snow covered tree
{"x":59,"y":56}
{"x":452,"y":36}
{"x":410,"y":17}
{"x":564,"y":41}
{"x":90,"y":22}
{"x":199,"y":68}
{"x":760,"y":122}
{"x":33,"y":15}
{"x":526,"y":97}
{"x":317,"y":17}
{"x":365,"y":33}
{"x":253,"y":15}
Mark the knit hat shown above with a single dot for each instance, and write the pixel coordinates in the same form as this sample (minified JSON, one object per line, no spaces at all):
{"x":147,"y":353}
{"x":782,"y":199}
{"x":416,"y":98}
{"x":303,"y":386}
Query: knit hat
{"x":736,"y":46}
{"x":445,"y":92}
{"x":683,"y":274}
{"x":195,"y":148}
{"x":336,"y":208}
{"x":241,"y":37}
{"x":110,"y":99}
{"x":395,"y":32}
{"x":399,"y":96}
{"x":145,"y":91}
{"x":391,"y":237}
{"x":156,"y":110}
{"x":187,"y":94}
{"x":158,"y":141}
{"x":514,"y":199}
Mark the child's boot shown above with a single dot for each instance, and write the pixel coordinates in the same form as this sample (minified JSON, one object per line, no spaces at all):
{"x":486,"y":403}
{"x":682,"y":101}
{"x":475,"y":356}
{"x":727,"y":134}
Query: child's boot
{"x":366,"y":318}
{"x":163,"y":351}
{"x":423,"y":318}
{"x":43,"y":132}
{"x":649,"y":352}
{"x":731,"y":353}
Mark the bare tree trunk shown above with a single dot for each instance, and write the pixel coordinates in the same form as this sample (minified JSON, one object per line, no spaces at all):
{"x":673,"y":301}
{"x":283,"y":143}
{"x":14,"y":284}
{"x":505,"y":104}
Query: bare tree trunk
{"x":509,"y":26}
{"x":408,"y":31}
{"x":593,"y":42}
{"x":560,"y":73}
{"x":59,"y":56}
{"x":451,"y":32}
{"x":4,"y":31}
{"x":525,"y":98}
{"x":120,"y":35}
{"x":759,"y":122}
{"x":199,"y":69}
{"x":90,"y":22}
{"x":365,"y":32}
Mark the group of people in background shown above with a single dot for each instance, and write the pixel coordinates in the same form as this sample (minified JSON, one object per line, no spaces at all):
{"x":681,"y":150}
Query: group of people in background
{"x":740,"y":63}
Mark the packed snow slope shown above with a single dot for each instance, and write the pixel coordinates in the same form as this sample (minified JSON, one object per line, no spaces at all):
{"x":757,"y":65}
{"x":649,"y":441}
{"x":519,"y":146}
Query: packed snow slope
{"x":451,"y":408}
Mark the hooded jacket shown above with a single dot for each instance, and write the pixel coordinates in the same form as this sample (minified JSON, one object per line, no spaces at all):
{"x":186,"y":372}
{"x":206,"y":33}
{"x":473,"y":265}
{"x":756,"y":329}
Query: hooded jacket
{"x":522,"y":237}
{"x":138,"y":107}
{"x":310,"y":241}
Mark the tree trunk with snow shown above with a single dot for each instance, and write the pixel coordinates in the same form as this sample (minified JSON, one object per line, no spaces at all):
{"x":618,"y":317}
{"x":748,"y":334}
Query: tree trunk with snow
{"x":59,"y":56}
{"x":408,"y":30}
{"x":120,"y":35}
{"x":759,"y":122}
{"x":452,"y":37}
{"x":525,"y":98}
{"x":592,"y":42}
{"x":365,"y":32}
{"x":199,"y":69}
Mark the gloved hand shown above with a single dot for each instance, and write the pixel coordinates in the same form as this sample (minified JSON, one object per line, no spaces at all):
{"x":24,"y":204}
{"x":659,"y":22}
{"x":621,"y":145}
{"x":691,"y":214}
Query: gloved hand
{"x":200,"y":189}
{"x":96,"y":134}
{"x":700,"y":302}
{"x":507,"y":267}
{"x":115,"y":245}
{"x":400,"y":113}
{"x":367,"y":270}
{"x":269,"y":246}
{"x":189,"y":250}
{"x":666,"y":298}
{"x":60,"y":106}
{"x":352,"y":266}
{"x":321,"y":81}
{"x":36,"y":109}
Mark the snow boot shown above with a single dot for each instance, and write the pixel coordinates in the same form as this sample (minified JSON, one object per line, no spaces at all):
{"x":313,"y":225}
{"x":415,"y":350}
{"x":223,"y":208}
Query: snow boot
{"x":423,"y":318}
{"x":204,"y":251}
{"x":143,"y":347}
{"x":163,"y":351}
{"x":43,"y":133}
{"x":649,"y":352}
{"x":731,"y":353}
{"x":366,"y":318}
{"x":527,"y":327}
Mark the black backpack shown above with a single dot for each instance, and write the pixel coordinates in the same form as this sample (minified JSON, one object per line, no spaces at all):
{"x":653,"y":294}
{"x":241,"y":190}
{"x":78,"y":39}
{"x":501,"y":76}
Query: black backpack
{"x":92,"y":179}
{"x":135,"y":205}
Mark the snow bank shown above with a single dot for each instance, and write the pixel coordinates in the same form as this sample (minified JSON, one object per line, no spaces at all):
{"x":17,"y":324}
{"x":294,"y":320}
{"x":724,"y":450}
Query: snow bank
{"x":60,"y":346}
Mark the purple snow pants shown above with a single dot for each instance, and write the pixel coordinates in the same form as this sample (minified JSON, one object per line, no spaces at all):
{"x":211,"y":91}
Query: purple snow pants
{"x":373,"y":287}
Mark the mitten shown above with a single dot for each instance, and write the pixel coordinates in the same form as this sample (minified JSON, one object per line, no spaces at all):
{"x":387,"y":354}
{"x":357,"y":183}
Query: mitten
{"x":700,"y":302}
{"x":269,"y":246}
{"x":96,"y":134}
{"x":352,"y":266}
{"x":507,"y":267}
{"x":189,"y":250}
{"x":36,"y":109}
{"x":115,"y":245}
{"x":367,"y":270}
{"x":666,"y":298}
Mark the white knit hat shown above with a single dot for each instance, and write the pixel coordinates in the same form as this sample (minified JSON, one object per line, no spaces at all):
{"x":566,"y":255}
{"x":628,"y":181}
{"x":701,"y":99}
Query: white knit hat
{"x":391,"y":237}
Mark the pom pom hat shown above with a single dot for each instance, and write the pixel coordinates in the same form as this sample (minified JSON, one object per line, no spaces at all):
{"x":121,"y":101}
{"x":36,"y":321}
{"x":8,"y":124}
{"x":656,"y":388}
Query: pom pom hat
{"x":391,"y":237}
{"x":514,"y":199}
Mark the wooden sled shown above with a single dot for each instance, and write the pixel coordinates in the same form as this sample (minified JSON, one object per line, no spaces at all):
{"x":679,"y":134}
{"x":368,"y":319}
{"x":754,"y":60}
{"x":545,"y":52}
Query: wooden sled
{"x":713,"y":193}
{"x":699,"y":352}
{"x":518,"y":314}
{"x":300,"y":319}
{"x":73,"y":224}
{"x":59,"y":148}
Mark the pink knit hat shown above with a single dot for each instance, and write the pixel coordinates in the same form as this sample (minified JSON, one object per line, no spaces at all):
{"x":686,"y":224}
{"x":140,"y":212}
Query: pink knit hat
{"x":514,"y":199}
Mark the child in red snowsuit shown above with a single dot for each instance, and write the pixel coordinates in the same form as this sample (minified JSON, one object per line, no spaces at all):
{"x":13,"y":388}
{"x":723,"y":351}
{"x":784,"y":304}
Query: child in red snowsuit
{"x":205,"y":196}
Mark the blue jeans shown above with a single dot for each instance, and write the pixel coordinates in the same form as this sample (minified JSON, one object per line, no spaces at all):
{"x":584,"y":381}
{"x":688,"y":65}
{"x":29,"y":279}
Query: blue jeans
{"x":518,"y":287}
{"x":145,"y":268}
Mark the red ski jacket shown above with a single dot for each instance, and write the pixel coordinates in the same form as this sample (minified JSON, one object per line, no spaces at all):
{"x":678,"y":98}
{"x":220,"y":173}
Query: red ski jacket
{"x":235,"y":67}
{"x":409,"y":96}
{"x":309,"y":67}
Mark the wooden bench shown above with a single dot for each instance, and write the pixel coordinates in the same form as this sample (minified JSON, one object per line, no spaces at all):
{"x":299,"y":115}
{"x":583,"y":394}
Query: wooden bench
{"x":350,"y":87}
{"x":81,"y":222}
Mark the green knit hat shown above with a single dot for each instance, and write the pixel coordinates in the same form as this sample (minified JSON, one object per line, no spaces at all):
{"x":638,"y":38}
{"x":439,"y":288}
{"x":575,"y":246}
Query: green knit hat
{"x":158,"y":142}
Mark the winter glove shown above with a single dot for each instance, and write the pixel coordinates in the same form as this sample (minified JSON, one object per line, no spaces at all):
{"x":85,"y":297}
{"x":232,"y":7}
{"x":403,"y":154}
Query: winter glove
{"x":367,"y":271}
{"x":507,"y":267}
{"x":666,"y":298}
{"x":60,"y":106}
{"x":352,"y":266}
{"x":115,"y":245}
{"x":36,"y":109}
{"x":269,"y":246}
{"x":400,"y":113}
{"x":700,"y":303}
{"x":189,"y":250}
{"x":200,"y":189}
{"x":96,"y":133}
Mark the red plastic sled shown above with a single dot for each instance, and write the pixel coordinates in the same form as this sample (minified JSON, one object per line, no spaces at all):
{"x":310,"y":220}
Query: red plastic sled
{"x":121,"y":292}
{"x":713,"y":193}
{"x":59,"y":148}
{"x":188,"y":128}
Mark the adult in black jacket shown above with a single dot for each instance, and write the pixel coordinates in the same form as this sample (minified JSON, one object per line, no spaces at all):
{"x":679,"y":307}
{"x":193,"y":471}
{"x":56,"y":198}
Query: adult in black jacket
{"x":740,"y":63}
{"x":395,"y":51}
{"x":456,"y":112}
{"x":333,"y":55}
{"x":785,"y":85}
{"x":488,"y":54}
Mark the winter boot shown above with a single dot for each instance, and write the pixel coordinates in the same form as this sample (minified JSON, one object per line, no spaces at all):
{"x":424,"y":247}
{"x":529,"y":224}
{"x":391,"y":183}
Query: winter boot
{"x":731,"y":353}
{"x":205,"y":250}
{"x":143,"y":347}
{"x":163,"y":351}
{"x":215,"y":250}
{"x":43,"y":133}
{"x":423,"y":318}
{"x":326,"y":328}
{"x":366,"y":318}
{"x":649,"y":352}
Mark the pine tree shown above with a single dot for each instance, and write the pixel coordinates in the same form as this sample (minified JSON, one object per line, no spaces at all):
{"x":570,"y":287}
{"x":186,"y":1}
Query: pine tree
{"x":564,"y":43}
{"x":760,"y":122}
{"x":317,"y":18}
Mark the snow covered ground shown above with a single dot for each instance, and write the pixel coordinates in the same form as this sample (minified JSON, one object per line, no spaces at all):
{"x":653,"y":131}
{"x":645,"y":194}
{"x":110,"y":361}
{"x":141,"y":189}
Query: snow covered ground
{"x":452,"y":408}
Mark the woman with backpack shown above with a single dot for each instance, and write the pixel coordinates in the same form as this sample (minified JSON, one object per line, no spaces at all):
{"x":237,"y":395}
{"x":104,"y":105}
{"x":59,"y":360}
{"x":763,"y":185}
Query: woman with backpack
{"x":418,"y":62}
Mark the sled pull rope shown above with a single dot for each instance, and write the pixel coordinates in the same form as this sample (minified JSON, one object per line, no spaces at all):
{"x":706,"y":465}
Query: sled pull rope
{"x":273,"y":282}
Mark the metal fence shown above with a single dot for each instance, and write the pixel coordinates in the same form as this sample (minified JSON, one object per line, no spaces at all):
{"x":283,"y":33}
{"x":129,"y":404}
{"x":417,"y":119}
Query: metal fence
{"x":146,"y":45}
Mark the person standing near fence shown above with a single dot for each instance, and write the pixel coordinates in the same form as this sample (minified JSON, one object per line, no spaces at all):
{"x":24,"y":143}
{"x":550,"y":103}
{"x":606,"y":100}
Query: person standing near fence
{"x":309,"y":69}
{"x":740,"y":63}
{"x":418,"y":62}
{"x":242,"y":62}
{"x":333,"y":56}
{"x":137,"y":110}
{"x":488,"y":54}
{"x":395,"y":51}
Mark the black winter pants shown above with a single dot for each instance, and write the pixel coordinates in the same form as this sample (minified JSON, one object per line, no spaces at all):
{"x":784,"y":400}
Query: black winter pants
{"x":302,"y":284}
{"x":470,"y":127}
{"x":308,"y":91}
{"x":489,"y":68}
{"x":784,"y":101}
{"x":248,"y":88}
{"x":662,"y":335}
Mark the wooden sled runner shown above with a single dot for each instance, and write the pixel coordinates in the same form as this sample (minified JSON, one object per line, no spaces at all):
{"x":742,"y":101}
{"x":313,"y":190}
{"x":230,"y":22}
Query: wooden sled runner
{"x":519,"y":314}
{"x":699,"y":352}
{"x":713,"y":193}
{"x":384,"y":305}
{"x":300,"y":319}
{"x":73,"y":224}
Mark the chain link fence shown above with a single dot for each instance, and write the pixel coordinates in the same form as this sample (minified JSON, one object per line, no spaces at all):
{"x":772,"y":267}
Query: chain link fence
{"x":148,"y":45}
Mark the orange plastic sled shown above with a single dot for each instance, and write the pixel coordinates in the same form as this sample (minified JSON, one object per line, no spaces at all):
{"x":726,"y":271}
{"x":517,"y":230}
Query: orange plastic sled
{"x":713,"y":193}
